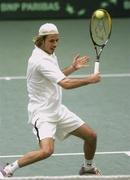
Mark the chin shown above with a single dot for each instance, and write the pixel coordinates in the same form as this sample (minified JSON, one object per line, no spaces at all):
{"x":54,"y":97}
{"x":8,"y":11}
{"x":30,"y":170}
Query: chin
{"x":51,"y":52}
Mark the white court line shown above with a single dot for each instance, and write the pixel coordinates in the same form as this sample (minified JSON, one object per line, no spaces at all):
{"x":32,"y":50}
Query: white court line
{"x":74,"y":154}
{"x":80,"y":75}
{"x":12,"y":77}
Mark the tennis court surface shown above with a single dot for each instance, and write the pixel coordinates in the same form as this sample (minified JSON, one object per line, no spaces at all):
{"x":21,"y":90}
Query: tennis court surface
{"x":104,"y":106}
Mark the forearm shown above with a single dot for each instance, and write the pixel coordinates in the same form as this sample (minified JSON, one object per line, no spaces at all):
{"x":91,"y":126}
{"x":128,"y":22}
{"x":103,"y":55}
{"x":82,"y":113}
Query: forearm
{"x":70,"y":83}
{"x":69,"y":70}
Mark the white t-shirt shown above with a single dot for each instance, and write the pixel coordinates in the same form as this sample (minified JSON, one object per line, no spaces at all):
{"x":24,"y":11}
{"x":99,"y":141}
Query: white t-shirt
{"x":45,"y":95}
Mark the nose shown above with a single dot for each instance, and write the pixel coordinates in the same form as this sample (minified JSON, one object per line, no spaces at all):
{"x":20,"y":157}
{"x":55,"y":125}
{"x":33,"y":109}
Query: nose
{"x":56,"y":42}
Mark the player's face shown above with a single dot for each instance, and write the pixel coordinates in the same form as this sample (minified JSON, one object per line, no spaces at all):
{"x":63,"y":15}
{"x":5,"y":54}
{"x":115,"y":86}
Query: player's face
{"x":50,"y":43}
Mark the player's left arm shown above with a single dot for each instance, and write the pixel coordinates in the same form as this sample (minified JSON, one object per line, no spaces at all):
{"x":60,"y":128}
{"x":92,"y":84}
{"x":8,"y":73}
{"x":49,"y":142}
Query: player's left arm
{"x":78,"y":63}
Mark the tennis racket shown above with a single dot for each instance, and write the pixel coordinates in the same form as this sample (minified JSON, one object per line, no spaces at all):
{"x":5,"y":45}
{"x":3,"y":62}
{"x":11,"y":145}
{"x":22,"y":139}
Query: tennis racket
{"x":100,"y":31}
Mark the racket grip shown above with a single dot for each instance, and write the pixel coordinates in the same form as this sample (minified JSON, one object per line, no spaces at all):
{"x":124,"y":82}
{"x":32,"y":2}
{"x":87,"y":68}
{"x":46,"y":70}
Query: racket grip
{"x":96,"y":67}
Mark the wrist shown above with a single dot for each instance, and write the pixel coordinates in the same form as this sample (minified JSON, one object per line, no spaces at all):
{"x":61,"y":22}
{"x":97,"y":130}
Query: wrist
{"x":74,"y":67}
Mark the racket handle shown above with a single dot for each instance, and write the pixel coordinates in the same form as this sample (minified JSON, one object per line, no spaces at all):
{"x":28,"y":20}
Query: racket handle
{"x":96,"y":67}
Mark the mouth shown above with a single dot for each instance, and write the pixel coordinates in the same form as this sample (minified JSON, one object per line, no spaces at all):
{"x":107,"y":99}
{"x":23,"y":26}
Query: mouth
{"x":53,"y":48}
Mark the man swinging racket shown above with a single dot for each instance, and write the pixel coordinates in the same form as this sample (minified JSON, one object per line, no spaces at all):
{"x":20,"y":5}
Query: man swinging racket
{"x":48,"y":116}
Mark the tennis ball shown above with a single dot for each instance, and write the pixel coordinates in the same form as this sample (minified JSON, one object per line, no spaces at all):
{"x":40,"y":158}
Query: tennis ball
{"x":99,"y":14}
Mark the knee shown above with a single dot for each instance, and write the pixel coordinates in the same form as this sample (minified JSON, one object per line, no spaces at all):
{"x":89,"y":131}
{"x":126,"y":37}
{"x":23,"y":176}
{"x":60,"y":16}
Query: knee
{"x":93,"y":137}
{"x":45,"y":153}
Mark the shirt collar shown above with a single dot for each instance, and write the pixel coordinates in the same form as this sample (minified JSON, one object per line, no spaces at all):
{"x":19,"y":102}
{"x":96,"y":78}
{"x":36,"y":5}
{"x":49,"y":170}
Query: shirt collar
{"x":43,"y":52}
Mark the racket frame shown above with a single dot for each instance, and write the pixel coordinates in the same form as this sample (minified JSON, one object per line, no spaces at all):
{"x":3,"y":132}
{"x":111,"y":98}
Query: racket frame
{"x":99,"y":48}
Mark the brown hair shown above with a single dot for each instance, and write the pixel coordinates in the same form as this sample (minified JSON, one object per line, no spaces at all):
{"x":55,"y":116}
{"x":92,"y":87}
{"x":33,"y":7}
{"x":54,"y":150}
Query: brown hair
{"x":38,"y":40}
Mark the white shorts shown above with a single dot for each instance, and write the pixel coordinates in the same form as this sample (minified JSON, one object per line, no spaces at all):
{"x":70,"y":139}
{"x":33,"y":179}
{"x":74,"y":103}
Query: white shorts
{"x":60,"y":129}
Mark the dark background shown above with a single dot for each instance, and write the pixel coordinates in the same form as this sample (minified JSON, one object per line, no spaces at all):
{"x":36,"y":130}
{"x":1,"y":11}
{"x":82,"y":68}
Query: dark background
{"x":68,"y":9}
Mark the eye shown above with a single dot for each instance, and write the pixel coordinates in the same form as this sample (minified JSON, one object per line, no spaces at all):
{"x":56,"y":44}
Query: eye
{"x":52,"y":41}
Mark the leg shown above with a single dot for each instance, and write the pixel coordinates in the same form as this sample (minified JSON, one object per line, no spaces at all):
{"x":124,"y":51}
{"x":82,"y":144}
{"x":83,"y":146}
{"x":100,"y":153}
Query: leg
{"x":45,"y":132}
{"x":90,"y":139}
{"x":46,"y":149}
{"x":72,"y":124}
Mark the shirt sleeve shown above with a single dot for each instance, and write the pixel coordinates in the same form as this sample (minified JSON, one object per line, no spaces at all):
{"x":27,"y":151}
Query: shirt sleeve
{"x":51,"y":71}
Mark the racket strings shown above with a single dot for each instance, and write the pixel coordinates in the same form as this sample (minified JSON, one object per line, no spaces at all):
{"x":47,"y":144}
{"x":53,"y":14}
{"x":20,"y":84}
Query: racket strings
{"x":100,"y":29}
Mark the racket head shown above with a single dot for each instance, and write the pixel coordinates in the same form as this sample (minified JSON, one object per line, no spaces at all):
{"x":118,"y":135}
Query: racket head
{"x":100,"y":27}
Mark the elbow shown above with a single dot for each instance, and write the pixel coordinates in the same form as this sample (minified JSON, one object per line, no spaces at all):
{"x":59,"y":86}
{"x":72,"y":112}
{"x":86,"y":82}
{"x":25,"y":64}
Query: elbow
{"x":65,"y":84}
{"x":66,"y":87}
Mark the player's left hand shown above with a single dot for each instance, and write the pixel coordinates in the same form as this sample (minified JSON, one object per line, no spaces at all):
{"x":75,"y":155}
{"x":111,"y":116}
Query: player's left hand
{"x":80,"y":62}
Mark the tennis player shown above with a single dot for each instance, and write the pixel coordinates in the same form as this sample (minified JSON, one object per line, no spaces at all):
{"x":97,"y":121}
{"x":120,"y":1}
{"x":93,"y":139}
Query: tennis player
{"x":48,"y":116}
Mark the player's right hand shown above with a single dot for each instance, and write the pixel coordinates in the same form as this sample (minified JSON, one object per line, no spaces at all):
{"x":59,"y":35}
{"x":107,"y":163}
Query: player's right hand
{"x":94,"y":78}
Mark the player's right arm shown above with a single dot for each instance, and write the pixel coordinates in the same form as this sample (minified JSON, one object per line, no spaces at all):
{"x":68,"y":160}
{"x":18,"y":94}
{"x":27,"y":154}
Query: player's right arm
{"x":70,"y":83}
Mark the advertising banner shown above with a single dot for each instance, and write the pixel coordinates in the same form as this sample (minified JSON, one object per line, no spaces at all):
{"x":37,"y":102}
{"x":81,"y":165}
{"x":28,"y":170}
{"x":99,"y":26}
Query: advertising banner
{"x":59,"y":9}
